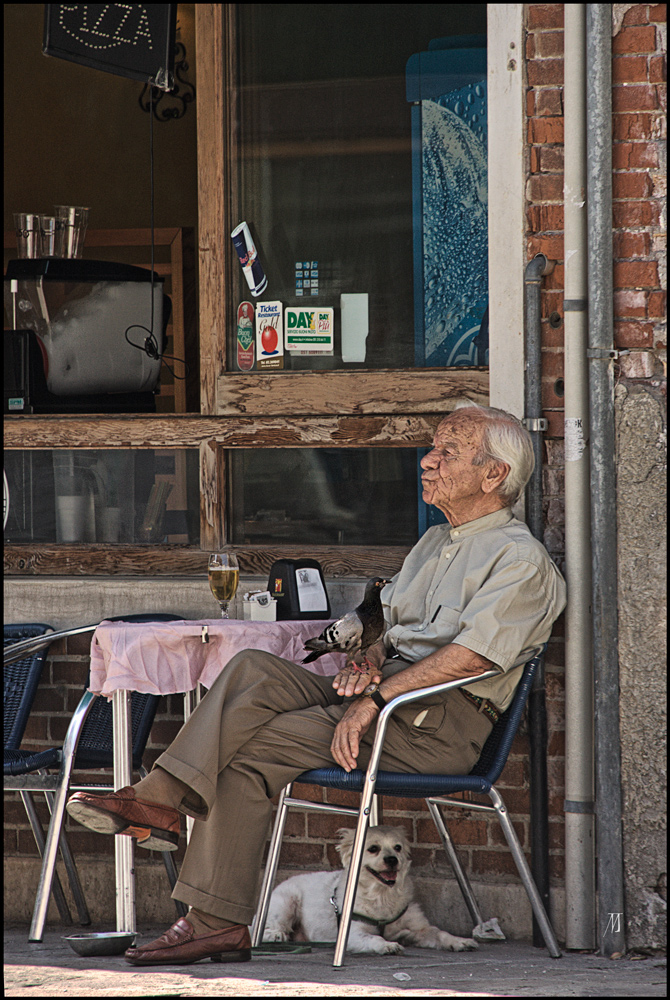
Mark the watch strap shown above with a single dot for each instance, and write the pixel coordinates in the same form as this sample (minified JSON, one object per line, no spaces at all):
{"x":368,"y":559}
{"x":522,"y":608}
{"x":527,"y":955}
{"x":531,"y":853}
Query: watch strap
{"x":379,"y":699}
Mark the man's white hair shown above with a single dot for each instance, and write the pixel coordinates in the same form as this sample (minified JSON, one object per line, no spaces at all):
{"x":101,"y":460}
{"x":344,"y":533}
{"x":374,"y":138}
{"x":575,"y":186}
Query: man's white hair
{"x":505,"y":439}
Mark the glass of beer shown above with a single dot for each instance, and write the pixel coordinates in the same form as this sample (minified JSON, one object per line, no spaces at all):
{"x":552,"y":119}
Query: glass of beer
{"x":224,"y":573}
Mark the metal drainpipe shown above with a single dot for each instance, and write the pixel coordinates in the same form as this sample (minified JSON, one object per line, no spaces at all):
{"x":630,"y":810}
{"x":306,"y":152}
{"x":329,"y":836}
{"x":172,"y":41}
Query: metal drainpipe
{"x":579,"y":792}
{"x":537,"y":712}
{"x":601,"y":354}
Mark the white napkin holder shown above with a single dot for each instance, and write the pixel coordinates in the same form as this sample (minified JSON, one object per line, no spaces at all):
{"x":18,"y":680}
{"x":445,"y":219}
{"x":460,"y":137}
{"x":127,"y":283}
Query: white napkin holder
{"x":259,"y":606}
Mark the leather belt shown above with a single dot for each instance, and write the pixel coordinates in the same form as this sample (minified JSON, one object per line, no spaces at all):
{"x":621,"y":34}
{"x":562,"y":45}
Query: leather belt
{"x":487,"y":707}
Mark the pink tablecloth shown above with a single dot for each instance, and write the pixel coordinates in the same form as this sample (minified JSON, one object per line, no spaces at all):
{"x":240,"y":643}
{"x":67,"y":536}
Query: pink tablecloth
{"x":170,"y":657}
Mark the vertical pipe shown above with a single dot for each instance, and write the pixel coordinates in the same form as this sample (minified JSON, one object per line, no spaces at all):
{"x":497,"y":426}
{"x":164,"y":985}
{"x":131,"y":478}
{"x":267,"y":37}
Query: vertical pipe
{"x":601,"y":355}
{"x":579,"y":792}
{"x":537,"y":711}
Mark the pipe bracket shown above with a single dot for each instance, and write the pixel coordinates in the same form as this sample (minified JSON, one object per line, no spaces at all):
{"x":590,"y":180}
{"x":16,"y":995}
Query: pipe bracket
{"x":572,"y":806}
{"x":604,"y":353}
{"x":535,"y":424}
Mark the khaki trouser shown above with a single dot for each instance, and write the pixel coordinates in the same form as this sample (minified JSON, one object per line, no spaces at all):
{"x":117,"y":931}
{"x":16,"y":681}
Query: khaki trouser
{"x":264,"y":721}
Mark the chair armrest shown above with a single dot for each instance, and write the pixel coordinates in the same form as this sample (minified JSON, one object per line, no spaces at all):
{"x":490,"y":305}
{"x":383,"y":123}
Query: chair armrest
{"x":409,"y":696}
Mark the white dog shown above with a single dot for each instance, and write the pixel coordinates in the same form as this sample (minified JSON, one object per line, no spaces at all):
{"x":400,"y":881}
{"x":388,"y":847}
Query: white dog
{"x":307,"y":907}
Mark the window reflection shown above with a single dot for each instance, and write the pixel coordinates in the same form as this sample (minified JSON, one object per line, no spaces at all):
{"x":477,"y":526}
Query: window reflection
{"x":325,"y":496}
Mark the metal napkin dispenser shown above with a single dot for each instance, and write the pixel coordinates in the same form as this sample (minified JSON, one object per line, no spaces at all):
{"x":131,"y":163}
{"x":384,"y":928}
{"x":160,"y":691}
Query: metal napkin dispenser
{"x":299,"y":588}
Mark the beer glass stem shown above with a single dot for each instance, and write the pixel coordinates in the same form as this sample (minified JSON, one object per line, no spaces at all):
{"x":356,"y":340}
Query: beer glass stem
{"x":224,"y":608}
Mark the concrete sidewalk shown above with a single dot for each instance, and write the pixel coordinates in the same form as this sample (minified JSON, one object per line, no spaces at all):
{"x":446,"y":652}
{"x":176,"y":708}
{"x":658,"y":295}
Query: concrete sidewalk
{"x":497,"y":969}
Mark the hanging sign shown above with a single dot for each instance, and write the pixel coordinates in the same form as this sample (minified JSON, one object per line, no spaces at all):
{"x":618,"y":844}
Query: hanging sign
{"x":310,"y":331}
{"x":128,"y":39}
{"x":245,"y":336}
{"x":269,"y":336}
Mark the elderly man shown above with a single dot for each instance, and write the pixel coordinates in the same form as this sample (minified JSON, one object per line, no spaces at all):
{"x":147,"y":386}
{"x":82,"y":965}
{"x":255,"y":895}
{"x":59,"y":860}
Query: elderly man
{"x":477,"y":593}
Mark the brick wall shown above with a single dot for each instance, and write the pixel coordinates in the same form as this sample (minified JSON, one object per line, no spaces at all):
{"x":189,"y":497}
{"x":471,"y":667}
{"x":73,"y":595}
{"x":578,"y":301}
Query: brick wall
{"x":639,"y":193}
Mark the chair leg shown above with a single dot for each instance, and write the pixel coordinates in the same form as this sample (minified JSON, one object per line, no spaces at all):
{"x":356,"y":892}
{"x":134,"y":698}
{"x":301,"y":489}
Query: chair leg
{"x":365,"y":810}
{"x":526,"y":877}
{"x":258,"y":925}
{"x":72,"y":873}
{"x":461,"y":877}
{"x":38,"y":834}
{"x":57,"y":816}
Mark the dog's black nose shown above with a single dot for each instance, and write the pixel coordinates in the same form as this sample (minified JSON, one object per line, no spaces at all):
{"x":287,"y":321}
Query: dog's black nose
{"x":391,"y":861}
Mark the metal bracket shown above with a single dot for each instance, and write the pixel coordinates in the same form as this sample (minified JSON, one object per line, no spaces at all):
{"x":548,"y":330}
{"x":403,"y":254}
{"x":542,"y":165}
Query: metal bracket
{"x":535,"y":424}
{"x":604,"y":353}
{"x":571,"y":806}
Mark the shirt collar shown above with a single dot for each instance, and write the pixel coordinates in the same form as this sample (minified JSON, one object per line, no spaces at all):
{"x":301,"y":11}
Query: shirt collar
{"x":498,"y":519}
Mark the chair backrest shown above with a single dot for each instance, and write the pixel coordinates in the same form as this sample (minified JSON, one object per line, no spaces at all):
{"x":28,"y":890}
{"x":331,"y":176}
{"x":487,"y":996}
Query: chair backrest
{"x":20,"y":681}
{"x":497,"y":747}
{"x":95,"y":747}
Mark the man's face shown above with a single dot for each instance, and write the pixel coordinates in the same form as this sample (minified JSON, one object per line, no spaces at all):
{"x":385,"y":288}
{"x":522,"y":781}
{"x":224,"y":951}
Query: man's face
{"x":449,"y":478}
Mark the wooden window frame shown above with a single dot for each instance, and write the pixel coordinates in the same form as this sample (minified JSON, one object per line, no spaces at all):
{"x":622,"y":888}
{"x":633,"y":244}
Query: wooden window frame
{"x":362,"y":409}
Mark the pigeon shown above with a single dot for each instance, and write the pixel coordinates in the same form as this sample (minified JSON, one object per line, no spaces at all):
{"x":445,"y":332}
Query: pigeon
{"x":357,"y":630}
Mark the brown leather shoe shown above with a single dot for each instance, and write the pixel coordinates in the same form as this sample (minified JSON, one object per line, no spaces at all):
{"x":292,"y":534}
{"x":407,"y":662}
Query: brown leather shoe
{"x":154,"y":826}
{"x":180,"y":945}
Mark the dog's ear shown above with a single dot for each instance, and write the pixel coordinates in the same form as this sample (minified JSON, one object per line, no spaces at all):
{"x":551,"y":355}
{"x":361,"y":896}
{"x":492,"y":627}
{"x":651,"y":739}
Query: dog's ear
{"x":345,"y":845}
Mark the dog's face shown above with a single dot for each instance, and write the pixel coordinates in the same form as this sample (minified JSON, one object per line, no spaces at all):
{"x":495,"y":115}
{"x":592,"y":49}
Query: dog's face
{"x":386,"y":856}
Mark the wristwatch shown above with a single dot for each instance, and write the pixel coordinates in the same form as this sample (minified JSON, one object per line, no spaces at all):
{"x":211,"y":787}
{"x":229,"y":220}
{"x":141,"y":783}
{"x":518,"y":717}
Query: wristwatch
{"x":372,"y":691}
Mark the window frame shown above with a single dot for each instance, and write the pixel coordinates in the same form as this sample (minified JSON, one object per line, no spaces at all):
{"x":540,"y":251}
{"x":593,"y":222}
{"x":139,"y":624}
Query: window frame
{"x":357,"y":409}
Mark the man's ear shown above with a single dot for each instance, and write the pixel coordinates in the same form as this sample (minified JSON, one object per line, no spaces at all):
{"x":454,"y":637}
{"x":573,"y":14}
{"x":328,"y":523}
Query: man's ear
{"x":495,"y":476}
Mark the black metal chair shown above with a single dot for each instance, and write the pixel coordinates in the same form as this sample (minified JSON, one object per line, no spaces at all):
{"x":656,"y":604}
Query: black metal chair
{"x":88,"y":746}
{"x":20,"y":683}
{"x":435,"y":788}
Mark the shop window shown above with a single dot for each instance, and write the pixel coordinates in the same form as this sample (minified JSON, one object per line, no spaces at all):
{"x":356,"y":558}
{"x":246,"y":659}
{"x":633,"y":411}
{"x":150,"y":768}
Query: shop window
{"x":111,"y":497}
{"x":325,"y":496}
{"x":361,"y":173}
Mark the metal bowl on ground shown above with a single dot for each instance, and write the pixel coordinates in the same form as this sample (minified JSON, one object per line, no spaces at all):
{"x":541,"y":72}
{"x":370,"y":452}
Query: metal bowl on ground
{"x":103,"y":943}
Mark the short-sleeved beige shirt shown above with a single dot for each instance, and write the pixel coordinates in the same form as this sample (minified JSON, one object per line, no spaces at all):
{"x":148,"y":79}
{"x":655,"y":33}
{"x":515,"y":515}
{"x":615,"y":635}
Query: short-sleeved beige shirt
{"x":488,"y":585}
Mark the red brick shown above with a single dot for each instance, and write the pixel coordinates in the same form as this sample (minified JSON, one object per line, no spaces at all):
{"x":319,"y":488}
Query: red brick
{"x":552,"y":364}
{"x":631,"y":185}
{"x":630,"y":69}
{"x":302,"y":855}
{"x":657,"y":305}
{"x":627,"y":244}
{"x":551,"y":246}
{"x":641,"y":38}
{"x":630,"y":303}
{"x":545,"y":187}
{"x":544,"y":72}
{"x":550,"y":160}
{"x":632,"y":126}
{"x":392,"y":804}
{"x":634,"y":213}
{"x":498,"y":837}
{"x":545,"y":15}
{"x":634,"y":335}
{"x":548,"y":44}
{"x":79,"y":645}
{"x":658,"y":69}
{"x":635,"y":97}
{"x":494,"y":863}
{"x":547,"y":102}
{"x":543,"y":131}
{"x":635,"y":274}
{"x":545,"y":218}
{"x":634,"y":155}
{"x":658,"y":12}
